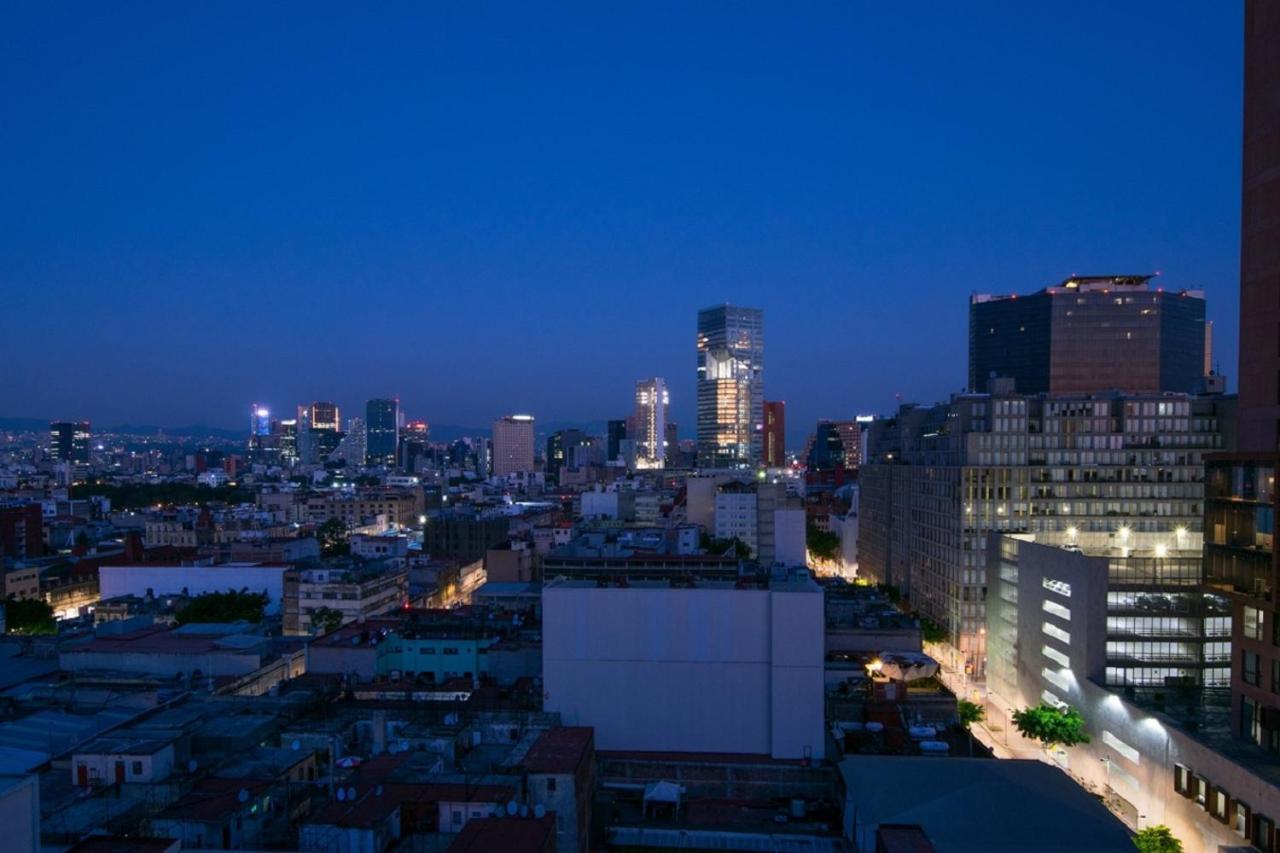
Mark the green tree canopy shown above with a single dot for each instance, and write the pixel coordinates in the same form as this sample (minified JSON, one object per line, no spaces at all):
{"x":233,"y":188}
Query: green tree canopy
{"x":1157,"y":839}
{"x":970,"y":712}
{"x":335,"y":539}
{"x":29,"y":616}
{"x":1051,"y":725}
{"x":325,"y":619}
{"x":822,"y":544}
{"x":227,"y":606}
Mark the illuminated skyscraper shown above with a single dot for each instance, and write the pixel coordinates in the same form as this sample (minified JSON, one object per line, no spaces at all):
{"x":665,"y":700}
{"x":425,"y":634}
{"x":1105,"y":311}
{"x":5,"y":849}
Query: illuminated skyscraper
{"x":325,"y":416}
{"x":730,"y":387}
{"x":512,"y":445}
{"x":69,"y":441}
{"x":259,"y":421}
{"x":382,"y":431}
{"x":650,"y":417}
{"x":775,"y":434}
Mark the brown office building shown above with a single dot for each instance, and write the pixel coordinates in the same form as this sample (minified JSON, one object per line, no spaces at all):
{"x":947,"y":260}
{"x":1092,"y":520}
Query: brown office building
{"x":775,"y":434}
{"x":1090,"y":334}
{"x":1240,"y":493}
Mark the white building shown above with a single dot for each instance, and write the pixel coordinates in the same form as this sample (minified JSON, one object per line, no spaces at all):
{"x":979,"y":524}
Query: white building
{"x":736,"y":516}
{"x":651,"y":422}
{"x":709,"y":668}
{"x":157,"y":580}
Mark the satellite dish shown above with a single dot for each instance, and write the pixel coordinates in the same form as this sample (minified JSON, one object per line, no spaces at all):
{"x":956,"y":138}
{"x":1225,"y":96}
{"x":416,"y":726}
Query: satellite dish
{"x":296,"y":745}
{"x":539,"y":810}
{"x":377,"y":791}
{"x":524,"y":811}
{"x":243,"y":796}
{"x":512,"y":808}
{"x":404,"y":746}
{"x":192,"y":765}
{"x":393,"y":747}
{"x":342,"y":794}
{"x":351,"y":794}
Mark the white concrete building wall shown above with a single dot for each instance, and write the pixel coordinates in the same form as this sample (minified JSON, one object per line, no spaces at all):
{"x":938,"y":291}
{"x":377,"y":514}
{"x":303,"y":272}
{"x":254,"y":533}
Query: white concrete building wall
{"x":599,"y":503}
{"x":167,"y":580}
{"x":687,"y":670}
{"x":789,"y":537}
{"x":735,"y":517}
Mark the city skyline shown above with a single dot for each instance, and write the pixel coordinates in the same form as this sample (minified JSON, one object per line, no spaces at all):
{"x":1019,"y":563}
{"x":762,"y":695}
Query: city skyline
{"x":272,"y":215}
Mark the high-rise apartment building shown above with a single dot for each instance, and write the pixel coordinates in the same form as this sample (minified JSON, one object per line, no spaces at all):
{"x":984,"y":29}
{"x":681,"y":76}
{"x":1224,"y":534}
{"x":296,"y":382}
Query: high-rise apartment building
{"x":512,"y":445}
{"x":730,"y":349}
{"x":325,"y":416}
{"x":1089,"y":333}
{"x":1056,"y":466}
{"x":69,"y":441}
{"x":382,"y":431}
{"x":650,"y":418}
{"x":775,"y":433}
{"x":850,"y":433}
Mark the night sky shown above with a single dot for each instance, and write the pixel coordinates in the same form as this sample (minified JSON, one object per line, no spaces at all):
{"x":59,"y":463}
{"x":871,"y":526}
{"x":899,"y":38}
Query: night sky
{"x":523,"y":209}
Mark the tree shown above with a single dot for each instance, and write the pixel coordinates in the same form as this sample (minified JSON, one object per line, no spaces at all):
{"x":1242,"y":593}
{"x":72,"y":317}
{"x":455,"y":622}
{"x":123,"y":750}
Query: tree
{"x":334,"y":538}
{"x":29,"y":616}
{"x":932,"y":632}
{"x":1157,"y":839}
{"x":1049,"y":725}
{"x":227,"y":606}
{"x":970,"y":713}
{"x":325,"y":619}
{"x":821,"y":543}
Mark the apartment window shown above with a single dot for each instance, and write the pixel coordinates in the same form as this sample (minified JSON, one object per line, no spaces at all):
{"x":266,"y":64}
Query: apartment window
{"x":1250,"y":667}
{"x":1218,"y":802}
{"x":1182,"y":780}
{"x":551,"y":784}
{"x":137,"y":768}
{"x":1253,"y":623}
{"x":1240,"y":817}
{"x":1263,"y":827}
{"x":1275,"y":675}
{"x":1202,"y":792}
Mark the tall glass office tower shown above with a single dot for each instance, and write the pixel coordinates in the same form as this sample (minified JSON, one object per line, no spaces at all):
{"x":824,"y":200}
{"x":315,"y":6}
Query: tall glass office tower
{"x":730,"y":387}
{"x":382,"y":431}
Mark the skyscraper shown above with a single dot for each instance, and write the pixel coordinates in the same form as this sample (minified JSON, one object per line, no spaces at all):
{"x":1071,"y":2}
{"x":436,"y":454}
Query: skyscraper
{"x":512,"y":445}
{"x":775,"y":434}
{"x":1241,"y":500}
{"x":382,"y":431}
{"x":69,"y":441}
{"x":730,"y":347}
{"x":616,"y":433}
{"x":324,"y":416}
{"x":1259,"y":425}
{"x":651,"y":421}
{"x":259,"y":421}
{"x":1087,"y":334}
{"x":560,"y":448}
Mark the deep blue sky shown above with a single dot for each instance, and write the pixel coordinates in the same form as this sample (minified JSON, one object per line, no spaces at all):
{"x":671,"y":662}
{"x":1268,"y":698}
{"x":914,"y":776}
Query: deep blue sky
{"x":522,"y":209}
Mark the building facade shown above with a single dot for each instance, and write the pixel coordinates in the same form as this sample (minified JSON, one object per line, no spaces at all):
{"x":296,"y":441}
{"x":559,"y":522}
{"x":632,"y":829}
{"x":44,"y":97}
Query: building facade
{"x":730,"y":350}
{"x":512,"y":445}
{"x":381,"y":431}
{"x":1087,"y":334}
{"x":775,"y":434}
{"x":1260,"y":231}
{"x":650,"y":418}
{"x":1055,"y":466}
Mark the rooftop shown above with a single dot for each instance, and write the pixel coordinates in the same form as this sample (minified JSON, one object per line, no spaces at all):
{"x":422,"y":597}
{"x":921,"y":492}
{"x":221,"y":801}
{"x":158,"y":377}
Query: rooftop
{"x":560,"y":750}
{"x":509,"y":834}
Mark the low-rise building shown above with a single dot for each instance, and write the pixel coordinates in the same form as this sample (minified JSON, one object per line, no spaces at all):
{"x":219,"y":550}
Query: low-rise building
{"x":356,"y":591}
